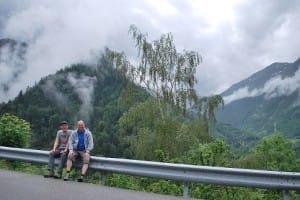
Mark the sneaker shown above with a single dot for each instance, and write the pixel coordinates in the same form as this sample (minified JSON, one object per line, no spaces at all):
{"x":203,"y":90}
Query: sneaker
{"x":57,"y":176}
{"x":66,"y":178}
{"x":80,"y":179}
{"x":49,"y":174}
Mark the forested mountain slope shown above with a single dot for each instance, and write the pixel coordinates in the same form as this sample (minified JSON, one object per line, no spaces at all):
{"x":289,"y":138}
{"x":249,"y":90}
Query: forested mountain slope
{"x":97,"y":94}
{"x":266,"y":102}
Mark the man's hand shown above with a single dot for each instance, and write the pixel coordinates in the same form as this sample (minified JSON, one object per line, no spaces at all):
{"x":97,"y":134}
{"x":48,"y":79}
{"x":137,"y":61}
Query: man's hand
{"x":52,"y":150}
{"x":63,"y":151}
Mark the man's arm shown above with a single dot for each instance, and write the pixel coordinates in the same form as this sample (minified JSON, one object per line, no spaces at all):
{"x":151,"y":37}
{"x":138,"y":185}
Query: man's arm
{"x":55,"y":142}
{"x":90,"y":143}
{"x":55,"y":145}
{"x":70,"y":142}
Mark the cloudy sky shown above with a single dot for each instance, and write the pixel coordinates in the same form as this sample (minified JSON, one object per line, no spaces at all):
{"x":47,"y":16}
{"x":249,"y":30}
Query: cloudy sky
{"x":236,"y":38}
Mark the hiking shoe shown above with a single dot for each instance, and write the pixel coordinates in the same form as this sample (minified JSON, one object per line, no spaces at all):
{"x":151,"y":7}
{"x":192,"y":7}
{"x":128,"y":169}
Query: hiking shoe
{"x":66,"y":178}
{"x":48,"y":175}
{"x":80,"y":179}
{"x":57,"y":176}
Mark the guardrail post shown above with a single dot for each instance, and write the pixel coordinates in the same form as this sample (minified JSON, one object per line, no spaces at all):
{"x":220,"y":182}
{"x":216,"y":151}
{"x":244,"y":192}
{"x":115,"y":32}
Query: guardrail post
{"x":185,"y":190}
{"x":286,"y":195}
{"x":103,"y":178}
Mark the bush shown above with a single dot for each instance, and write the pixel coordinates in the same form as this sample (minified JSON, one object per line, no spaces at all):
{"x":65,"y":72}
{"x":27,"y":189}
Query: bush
{"x":14,"y":132}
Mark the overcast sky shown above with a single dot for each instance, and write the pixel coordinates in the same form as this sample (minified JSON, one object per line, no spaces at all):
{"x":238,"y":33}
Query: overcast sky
{"x":236,"y":38}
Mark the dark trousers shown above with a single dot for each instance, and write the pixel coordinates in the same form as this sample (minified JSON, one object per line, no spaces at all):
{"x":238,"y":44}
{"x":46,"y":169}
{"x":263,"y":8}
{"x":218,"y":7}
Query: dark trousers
{"x":63,"y":159}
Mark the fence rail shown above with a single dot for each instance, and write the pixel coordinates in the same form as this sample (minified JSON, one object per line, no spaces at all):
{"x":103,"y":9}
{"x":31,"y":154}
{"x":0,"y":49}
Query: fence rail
{"x":284,"y":181}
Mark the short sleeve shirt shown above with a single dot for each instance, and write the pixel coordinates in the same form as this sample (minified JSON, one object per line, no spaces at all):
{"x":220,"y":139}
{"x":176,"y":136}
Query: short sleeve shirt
{"x":63,"y":138}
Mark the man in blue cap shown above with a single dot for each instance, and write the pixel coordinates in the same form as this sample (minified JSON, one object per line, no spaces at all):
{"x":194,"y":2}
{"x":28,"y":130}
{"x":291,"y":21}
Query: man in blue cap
{"x":59,"y":150}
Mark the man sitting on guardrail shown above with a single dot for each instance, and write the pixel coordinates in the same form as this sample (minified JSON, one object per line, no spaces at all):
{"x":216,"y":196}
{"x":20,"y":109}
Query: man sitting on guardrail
{"x":80,"y":144}
{"x":60,"y":149}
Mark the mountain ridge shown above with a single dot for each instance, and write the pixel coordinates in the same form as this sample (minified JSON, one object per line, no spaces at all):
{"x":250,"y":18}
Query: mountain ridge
{"x":266,"y":102}
{"x":258,"y":79}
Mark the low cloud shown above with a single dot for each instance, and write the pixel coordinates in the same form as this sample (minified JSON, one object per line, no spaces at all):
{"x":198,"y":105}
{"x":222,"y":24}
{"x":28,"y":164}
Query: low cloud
{"x":275,"y":87}
{"x":12,"y":64}
{"x":53,"y":93}
{"x":234,"y":41}
{"x":84,"y":87}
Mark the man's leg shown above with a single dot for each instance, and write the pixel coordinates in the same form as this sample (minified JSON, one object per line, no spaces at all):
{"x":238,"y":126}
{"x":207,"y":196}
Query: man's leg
{"x":70,"y":160}
{"x":63,"y":159}
{"x":52,"y":157}
{"x":84,"y":169}
{"x":85,"y":166}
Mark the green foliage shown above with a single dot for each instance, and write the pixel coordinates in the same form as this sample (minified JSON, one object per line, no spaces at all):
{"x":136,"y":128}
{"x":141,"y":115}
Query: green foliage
{"x":169,"y":76}
{"x":14,"y":132}
{"x":215,"y":153}
{"x":165,"y":187}
{"x":153,"y":137}
{"x":123,"y":181}
{"x":231,"y":193}
{"x":274,"y":152}
{"x":240,"y":141}
{"x":191,"y":133}
{"x":207,"y":106}
{"x":22,"y":167}
{"x":143,"y":128}
{"x":144,"y":184}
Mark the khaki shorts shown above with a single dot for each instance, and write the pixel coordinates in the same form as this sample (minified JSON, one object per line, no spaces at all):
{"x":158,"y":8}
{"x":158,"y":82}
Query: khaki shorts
{"x":76,"y":154}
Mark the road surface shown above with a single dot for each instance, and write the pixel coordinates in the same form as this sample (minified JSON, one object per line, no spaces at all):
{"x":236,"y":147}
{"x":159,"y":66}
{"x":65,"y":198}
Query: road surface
{"x":21,"y":186}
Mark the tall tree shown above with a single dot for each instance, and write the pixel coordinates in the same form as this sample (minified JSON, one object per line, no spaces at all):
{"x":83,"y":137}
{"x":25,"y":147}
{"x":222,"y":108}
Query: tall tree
{"x":166,"y":74}
{"x":170,"y":77}
{"x":207,"y":106}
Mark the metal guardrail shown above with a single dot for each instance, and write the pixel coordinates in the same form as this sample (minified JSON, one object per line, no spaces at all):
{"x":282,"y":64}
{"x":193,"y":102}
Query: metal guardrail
{"x":284,"y":181}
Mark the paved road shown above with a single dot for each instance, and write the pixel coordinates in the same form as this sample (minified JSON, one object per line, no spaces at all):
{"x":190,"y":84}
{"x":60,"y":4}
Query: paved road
{"x":21,"y":186}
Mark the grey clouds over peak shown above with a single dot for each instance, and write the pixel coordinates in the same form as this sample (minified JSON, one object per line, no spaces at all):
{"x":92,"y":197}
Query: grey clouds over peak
{"x":236,"y":37}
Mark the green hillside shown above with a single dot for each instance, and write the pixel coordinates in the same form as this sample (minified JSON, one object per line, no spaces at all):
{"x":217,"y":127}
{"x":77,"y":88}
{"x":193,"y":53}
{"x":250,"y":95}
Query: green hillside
{"x":96,"y":94}
{"x":241,"y":141}
{"x":272,"y":103}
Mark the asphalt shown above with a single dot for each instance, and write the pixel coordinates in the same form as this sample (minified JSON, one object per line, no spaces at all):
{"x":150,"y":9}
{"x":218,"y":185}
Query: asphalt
{"x":21,"y":186}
